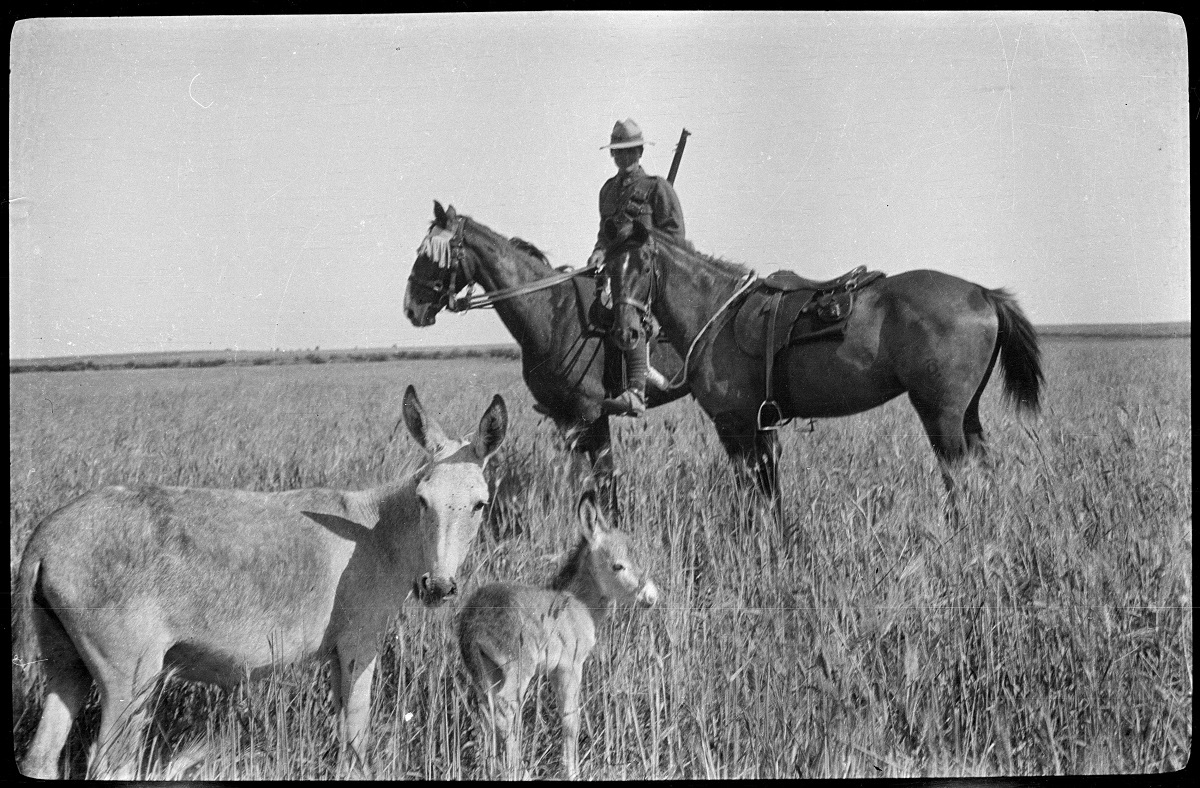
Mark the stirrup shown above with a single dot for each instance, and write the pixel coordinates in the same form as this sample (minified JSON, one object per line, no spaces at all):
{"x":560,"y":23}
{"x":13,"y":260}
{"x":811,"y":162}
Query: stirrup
{"x":775,"y":415}
{"x":628,"y":403}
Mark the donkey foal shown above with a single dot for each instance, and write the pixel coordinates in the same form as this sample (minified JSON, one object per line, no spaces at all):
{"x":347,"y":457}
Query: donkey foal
{"x":220,"y":583}
{"x":510,"y":633}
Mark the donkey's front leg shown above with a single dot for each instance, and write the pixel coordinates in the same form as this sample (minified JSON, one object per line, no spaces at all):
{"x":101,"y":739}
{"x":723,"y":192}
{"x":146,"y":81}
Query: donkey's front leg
{"x":355,"y":670}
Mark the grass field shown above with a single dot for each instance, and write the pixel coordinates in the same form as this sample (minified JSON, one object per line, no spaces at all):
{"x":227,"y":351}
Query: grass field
{"x":1048,"y":631}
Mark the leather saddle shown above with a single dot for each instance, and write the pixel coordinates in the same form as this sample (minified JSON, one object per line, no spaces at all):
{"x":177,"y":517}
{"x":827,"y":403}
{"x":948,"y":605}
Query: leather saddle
{"x":786,"y":308}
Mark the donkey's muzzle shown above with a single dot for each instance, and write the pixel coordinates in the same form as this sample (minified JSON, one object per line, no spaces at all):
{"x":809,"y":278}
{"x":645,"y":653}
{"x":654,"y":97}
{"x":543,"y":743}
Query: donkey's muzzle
{"x":434,"y":590}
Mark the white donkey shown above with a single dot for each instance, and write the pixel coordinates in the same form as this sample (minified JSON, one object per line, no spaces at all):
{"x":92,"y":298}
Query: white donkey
{"x":218,"y":584}
{"x":510,"y":633}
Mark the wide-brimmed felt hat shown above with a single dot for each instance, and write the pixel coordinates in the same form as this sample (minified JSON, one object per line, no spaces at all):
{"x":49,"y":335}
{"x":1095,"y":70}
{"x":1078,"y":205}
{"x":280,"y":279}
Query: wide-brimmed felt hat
{"x":625,"y":134}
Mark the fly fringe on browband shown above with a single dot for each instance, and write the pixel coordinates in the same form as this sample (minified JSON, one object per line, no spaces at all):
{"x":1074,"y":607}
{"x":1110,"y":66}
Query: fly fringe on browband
{"x":436,"y":247}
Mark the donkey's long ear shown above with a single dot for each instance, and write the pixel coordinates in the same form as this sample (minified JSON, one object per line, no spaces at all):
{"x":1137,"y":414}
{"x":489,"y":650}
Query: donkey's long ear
{"x":592,"y":524}
{"x":492,"y":429}
{"x":427,"y":431}
{"x":439,"y":213}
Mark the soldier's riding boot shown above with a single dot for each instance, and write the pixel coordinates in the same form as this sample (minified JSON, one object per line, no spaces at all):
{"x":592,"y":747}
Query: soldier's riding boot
{"x":632,"y":401}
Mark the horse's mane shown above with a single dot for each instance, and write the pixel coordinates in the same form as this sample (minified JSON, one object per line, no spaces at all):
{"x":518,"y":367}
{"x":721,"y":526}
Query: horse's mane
{"x":520,"y":244}
{"x":529,"y":249}
{"x":685,"y":247}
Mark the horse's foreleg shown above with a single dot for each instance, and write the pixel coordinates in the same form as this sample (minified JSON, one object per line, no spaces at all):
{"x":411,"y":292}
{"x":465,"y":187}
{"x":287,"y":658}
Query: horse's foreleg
{"x":740,"y":449}
{"x":754,"y":452}
{"x":596,"y":443}
{"x":766,"y":449}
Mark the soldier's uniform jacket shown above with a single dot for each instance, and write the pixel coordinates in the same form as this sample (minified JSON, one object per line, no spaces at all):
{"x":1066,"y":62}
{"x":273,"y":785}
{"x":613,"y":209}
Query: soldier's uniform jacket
{"x":640,"y":197}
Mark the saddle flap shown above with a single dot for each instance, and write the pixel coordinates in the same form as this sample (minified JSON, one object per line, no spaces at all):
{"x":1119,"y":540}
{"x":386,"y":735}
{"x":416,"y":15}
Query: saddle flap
{"x":750,"y":323}
{"x":806,"y":309}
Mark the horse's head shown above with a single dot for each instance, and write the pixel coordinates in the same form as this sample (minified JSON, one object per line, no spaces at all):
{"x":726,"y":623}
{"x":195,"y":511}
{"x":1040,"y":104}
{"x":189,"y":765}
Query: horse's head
{"x":437,"y":274}
{"x":629,"y":264}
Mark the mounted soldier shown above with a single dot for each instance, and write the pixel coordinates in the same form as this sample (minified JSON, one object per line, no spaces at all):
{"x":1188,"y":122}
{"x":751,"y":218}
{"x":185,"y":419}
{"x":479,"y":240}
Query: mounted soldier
{"x":634,"y":196}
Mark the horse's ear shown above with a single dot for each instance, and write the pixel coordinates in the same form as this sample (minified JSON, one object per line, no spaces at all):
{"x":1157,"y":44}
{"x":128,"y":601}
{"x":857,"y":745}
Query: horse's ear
{"x":451,"y":215}
{"x":427,"y":431}
{"x":640,"y":233}
{"x":612,"y":229}
{"x":439,"y":213}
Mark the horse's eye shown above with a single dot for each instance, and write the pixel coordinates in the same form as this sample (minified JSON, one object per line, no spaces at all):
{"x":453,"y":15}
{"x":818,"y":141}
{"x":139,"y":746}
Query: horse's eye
{"x":479,"y":505}
{"x":424,"y":503}
{"x":618,"y":567}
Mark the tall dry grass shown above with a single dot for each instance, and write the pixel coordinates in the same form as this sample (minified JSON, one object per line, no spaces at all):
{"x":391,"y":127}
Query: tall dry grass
{"x":1047,"y":630}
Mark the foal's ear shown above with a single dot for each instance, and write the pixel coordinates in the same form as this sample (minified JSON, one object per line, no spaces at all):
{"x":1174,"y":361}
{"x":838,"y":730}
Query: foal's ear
{"x":492,"y":429}
{"x":424,"y":428}
{"x":592,"y":523}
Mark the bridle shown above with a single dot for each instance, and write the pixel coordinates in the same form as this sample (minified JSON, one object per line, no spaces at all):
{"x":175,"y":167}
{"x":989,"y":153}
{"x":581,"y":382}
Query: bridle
{"x":646,"y":251}
{"x":445,"y":247}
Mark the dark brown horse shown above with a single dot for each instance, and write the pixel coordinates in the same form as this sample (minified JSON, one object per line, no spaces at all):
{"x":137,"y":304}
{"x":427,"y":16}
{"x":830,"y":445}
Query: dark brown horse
{"x":548,"y":312}
{"x":928,"y":334}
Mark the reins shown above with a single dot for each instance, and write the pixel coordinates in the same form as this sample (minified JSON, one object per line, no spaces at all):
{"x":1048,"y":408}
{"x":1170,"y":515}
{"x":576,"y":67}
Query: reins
{"x":748,"y":281}
{"x":446,"y":248}
{"x":487,"y":299}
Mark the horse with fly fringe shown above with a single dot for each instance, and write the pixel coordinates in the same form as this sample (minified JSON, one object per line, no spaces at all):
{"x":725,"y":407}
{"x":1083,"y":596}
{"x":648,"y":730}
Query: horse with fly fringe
{"x":566,"y":360}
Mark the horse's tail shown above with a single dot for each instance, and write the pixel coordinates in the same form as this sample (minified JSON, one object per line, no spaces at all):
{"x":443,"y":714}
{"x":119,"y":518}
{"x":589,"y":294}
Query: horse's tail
{"x":1020,"y":357}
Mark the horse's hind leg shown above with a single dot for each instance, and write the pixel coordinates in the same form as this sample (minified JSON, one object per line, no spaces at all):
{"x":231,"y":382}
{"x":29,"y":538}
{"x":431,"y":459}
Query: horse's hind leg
{"x":973,"y":428}
{"x":944,"y":426}
{"x":67,"y":686}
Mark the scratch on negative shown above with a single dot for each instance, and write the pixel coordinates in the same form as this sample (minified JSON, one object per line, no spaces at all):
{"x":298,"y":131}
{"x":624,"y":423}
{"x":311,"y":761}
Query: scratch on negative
{"x":1085,"y":58}
{"x":799,"y":174}
{"x":193,"y":98}
{"x":288,"y":283}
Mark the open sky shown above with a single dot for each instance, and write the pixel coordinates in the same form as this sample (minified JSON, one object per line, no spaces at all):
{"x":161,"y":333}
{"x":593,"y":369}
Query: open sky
{"x":206,"y":183}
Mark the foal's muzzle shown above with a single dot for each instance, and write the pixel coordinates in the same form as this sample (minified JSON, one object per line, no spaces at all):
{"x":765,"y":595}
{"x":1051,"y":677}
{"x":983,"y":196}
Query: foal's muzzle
{"x":434,"y":590}
{"x":648,"y":596}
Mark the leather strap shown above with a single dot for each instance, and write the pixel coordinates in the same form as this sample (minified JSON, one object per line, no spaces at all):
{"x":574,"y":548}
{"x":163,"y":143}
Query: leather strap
{"x":769,"y":355}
